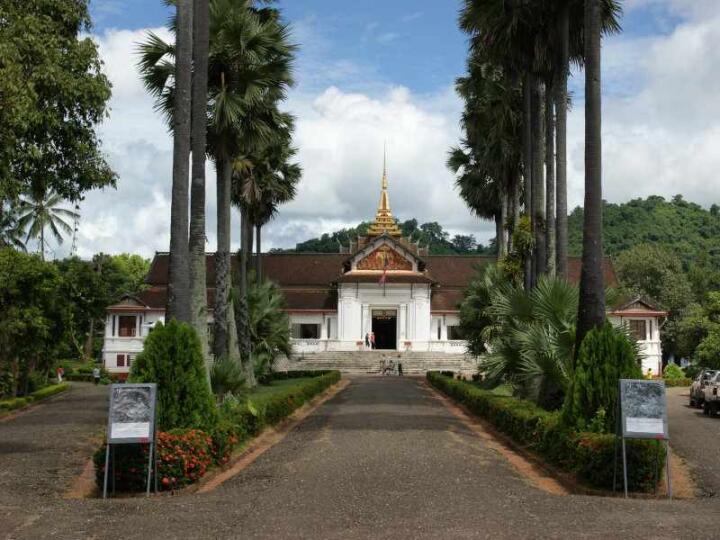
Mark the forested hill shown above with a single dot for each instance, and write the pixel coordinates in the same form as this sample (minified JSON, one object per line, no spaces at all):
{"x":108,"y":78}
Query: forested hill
{"x":683,"y":228}
{"x":428,"y":234}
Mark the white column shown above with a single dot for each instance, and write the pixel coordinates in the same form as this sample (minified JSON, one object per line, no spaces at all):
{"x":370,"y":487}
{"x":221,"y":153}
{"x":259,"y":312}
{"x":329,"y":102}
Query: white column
{"x":443,"y":328}
{"x":323,"y":328}
{"x":403,"y":322}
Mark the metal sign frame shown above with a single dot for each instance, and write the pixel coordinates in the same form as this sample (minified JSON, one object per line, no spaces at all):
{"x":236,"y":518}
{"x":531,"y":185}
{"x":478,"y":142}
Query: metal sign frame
{"x":115,"y":390}
{"x":641,"y":426}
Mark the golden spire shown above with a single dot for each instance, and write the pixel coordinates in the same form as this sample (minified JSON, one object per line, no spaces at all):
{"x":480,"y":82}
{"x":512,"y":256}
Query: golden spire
{"x":384,"y":221}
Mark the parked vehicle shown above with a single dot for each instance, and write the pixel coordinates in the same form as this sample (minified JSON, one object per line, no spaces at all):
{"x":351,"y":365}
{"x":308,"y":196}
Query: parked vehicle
{"x":711,"y":403}
{"x":697,"y":390}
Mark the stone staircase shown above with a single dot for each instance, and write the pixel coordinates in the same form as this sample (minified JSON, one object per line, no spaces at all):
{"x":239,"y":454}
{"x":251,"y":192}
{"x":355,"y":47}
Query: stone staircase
{"x":371,"y":362}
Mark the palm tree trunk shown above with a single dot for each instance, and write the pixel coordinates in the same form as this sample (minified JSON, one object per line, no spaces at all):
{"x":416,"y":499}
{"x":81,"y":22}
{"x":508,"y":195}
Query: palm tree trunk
{"x":243,"y":253}
{"x":198,"y":285}
{"x":591,"y":312}
{"x":258,"y":256}
{"x":527,"y":166}
{"x":42,"y":243}
{"x":550,"y":180}
{"x":88,"y":348}
{"x":538,"y":187}
{"x":499,"y":241}
{"x":178,"y":302}
{"x":241,"y":310}
{"x":221,"y":347}
{"x":561,"y":104}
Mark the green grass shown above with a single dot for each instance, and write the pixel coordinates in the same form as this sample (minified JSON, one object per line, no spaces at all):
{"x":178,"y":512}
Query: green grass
{"x":263,"y":393}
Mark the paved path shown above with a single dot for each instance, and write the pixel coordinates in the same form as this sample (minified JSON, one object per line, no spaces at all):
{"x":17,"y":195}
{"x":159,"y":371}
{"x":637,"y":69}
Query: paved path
{"x":695,"y":437}
{"x":44,"y":448}
{"x":382,"y":459}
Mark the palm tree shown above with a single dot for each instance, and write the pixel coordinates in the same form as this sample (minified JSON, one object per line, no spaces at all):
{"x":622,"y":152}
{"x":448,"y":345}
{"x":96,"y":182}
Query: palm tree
{"x":550,"y":221}
{"x":591,"y":312}
{"x":178,"y":302}
{"x":248,"y":68}
{"x":531,"y":336}
{"x":269,"y":325}
{"x":561,"y":106}
{"x":11,"y":234}
{"x":196,"y":244}
{"x":40,"y":211}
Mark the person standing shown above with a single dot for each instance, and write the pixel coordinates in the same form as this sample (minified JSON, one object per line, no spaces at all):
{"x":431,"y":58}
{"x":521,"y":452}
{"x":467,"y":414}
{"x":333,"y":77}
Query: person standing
{"x":367,"y":340}
{"x":60,"y":372}
{"x":372,"y":340}
{"x":96,"y":375}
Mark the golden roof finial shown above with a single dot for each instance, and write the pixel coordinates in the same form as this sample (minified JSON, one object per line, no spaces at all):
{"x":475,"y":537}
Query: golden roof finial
{"x":384,"y":220}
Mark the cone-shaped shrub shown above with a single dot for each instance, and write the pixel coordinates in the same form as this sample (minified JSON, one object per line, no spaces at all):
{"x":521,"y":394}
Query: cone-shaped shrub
{"x":606,"y":355}
{"x":173,"y":359}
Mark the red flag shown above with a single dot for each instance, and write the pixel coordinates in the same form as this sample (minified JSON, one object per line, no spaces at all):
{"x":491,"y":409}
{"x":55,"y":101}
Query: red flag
{"x":382,"y":277}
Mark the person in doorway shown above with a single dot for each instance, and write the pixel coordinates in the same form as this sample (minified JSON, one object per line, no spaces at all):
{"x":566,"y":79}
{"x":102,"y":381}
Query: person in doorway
{"x":367,"y":340}
{"x":60,"y":372}
{"x":96,"y":375}
{"x":372,"y":340}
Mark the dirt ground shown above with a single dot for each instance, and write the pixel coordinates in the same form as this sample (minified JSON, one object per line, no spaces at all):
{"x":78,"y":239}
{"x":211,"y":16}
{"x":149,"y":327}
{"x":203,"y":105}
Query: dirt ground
{"x":382,"y":459}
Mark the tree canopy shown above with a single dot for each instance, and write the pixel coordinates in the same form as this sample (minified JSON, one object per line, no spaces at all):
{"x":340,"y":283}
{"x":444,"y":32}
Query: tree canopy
{"x":54,"y":94}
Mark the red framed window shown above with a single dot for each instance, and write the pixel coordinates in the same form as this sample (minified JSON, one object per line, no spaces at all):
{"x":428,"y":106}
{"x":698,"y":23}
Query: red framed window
{"x":127,"y":325}
{"x":120,"y":360}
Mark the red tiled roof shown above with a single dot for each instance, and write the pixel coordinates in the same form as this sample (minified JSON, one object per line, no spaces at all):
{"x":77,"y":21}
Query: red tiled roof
{"x":306,"y":278}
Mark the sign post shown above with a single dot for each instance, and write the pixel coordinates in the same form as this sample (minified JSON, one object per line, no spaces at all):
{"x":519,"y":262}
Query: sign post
{"x":642,"y":414}
{"x":131,"y":421}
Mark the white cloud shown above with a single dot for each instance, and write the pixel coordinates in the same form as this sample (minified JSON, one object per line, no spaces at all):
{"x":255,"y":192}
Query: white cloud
{"x":660,"y":126}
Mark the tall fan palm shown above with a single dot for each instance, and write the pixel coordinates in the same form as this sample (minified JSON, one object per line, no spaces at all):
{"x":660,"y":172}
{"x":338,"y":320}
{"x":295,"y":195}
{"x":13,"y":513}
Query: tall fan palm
{"x":40,"y":211}
{"x":248,"y":67}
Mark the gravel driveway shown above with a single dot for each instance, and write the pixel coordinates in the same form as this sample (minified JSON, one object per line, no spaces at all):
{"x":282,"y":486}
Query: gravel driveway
{"x":382,"y":459}
{"x":696,"y":438}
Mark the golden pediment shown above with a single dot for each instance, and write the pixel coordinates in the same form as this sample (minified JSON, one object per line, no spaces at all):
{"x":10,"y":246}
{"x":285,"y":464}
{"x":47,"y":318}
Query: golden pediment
{"x":384,"y":258}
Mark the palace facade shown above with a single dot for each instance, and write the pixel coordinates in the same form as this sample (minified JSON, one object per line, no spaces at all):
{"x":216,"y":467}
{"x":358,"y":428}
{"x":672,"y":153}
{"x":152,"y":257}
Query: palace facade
{"x":382,"y":283}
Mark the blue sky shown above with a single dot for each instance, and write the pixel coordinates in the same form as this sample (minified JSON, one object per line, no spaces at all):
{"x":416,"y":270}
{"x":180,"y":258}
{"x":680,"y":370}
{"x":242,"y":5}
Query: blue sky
{"x":371,"y":71}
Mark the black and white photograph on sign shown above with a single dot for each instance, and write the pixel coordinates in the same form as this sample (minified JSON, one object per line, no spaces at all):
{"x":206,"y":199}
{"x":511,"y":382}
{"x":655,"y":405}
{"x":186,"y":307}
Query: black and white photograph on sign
{"x":643,"y":407}
{"x":131,"y":413}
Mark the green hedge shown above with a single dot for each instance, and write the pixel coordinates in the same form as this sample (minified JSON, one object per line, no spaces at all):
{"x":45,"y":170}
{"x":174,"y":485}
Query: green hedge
{"x":185,"y":454}
{"x":684,"y":381}
{"x":20,"y":402}
{"x":588,"y":455}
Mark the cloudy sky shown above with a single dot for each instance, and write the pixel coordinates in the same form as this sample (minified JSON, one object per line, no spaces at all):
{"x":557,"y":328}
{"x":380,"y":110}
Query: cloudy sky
{"x":376,"y":70}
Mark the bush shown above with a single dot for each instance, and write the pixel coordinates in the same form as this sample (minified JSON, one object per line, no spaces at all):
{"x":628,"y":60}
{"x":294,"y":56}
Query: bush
{"x":19,"y":402}
{"x":588,"y":455}
{"x":173,"y":359}
{"x":605,"y":356}
{"x":673,"y":371}
{"x":683,"y":381}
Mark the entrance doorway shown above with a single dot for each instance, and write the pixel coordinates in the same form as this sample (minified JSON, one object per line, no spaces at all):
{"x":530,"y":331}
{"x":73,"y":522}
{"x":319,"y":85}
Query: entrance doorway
{"x":384,"y":324}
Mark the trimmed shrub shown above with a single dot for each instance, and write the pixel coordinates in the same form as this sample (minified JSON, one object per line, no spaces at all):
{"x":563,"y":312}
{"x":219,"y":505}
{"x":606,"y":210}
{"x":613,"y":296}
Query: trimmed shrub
{"x":673,"y":371}
{"x":605,"y":356}
{"x":49,"y":391}
{"x":588,"y":455}
{"x":678,"y":382}
{"x":20,"y":402}
{"x":172,"y":358}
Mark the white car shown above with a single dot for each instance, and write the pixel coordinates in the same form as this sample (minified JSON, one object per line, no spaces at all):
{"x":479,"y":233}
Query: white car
{"x":697,"y":389}
{"x":711,"y":404}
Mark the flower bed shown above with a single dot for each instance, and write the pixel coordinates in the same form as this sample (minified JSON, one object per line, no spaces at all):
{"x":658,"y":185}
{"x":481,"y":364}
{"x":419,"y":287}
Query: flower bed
{"x":184,"y":455}
{"x":44,"y":393}
{"x":589,"y":456}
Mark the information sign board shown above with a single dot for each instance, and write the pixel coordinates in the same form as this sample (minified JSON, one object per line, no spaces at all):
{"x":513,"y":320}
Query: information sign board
{"x":644,"y":409}
{"x":132,"y":413}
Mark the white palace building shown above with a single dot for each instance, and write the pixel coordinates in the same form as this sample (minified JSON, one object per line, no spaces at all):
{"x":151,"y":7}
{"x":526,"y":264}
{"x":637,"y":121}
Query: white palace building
{"x":382,"y":283}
